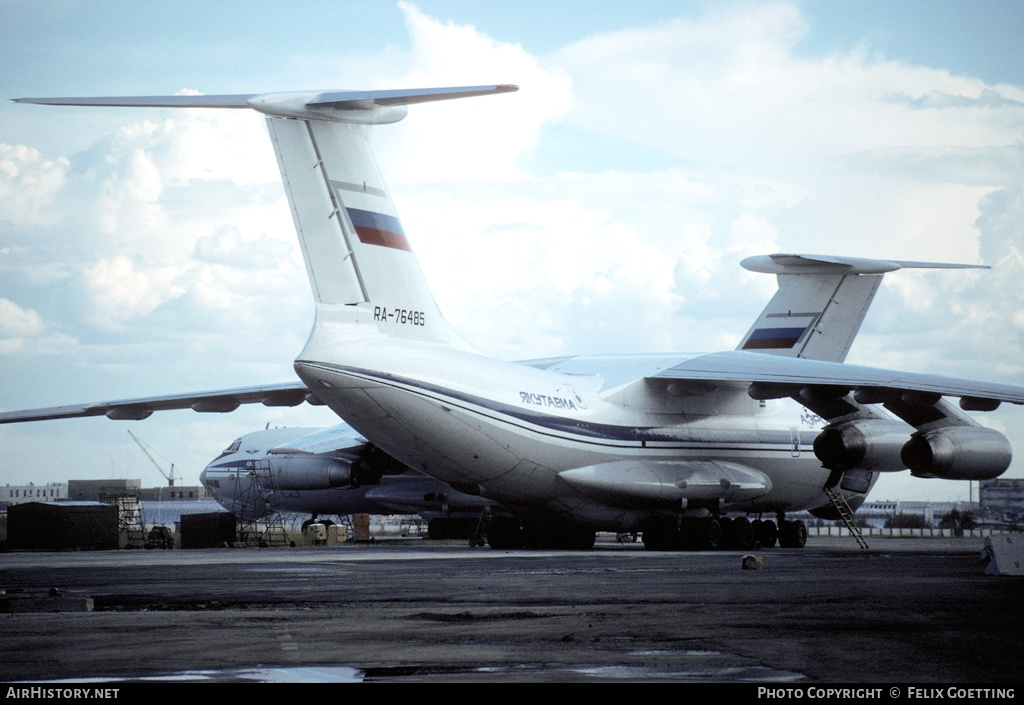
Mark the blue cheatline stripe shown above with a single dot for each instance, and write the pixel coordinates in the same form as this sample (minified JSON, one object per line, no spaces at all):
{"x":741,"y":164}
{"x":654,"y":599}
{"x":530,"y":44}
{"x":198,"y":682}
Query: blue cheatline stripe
{"x":582,"y":431}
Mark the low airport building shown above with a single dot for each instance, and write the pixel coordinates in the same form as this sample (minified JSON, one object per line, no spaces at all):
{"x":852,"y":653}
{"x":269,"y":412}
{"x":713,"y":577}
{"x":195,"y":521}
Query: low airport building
{"x":1003,"y":499}
{"x":19,"y":494}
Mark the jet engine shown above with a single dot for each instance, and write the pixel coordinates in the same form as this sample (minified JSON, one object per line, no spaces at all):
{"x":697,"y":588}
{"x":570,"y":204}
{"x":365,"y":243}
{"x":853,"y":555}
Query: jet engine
{"x":300,"y":471}
{"x":873,"y":444}
{"x":957,"y":453}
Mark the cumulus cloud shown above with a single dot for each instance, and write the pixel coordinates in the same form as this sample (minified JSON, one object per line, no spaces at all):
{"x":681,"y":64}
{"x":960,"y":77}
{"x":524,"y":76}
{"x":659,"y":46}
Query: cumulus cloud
{"x":24,"y":331}
{"x":467,"y":139}
{"x":228,"y":247}
{"x":127,"y":220}
{"x":726,"y":92}
{"x":28,"y":185}
{"x":118,"y":292}
{"x":16,"y":321}
{"x":728,"y":88}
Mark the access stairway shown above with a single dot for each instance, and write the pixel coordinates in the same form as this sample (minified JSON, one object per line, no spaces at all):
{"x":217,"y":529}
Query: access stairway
{"x":259,"y":518}
{"x":846,"y":514}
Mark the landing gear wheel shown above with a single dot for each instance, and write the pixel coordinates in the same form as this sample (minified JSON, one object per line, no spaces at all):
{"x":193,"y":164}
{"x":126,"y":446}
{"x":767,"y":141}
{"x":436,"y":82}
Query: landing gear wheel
{"x":727,"y":532}
{"x":742,"y":534}
{"x":793,"y":534}
{"x":661,"y":535}
{"x":690,"y":534}
{"x":712,"y":533}
{"x":767,"y":533}
{"x":799,"y":534}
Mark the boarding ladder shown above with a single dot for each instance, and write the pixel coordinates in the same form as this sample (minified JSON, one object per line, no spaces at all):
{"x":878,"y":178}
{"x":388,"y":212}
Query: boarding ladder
{"x":274,"y":533}
{"x":846,"y":514}
{"x":130,"y":526}
{"x":260,"y":520}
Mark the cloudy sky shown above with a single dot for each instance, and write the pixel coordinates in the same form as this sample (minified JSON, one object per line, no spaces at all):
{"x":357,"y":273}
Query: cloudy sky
{"x":604,"y":207}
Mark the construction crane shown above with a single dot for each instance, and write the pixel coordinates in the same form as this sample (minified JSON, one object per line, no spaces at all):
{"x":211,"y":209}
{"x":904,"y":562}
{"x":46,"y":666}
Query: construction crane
{"x":167,"y":476}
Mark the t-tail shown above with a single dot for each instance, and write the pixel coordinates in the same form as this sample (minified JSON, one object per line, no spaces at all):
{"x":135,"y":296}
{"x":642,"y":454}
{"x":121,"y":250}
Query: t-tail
{"x":820,"y":304}
{"x":361,"y":267}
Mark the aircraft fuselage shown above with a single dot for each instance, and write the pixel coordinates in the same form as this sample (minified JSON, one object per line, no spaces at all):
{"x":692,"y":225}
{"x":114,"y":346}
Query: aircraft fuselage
{"x":508,"y":429}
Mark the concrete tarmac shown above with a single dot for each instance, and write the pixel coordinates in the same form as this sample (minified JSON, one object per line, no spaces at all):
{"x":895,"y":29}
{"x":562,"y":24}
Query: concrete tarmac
{"x":903,"y":611}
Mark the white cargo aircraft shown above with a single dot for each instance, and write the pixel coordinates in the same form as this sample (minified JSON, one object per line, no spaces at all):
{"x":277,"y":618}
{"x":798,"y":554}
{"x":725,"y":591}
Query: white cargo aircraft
{"x":667,"y":444}
{"x":322,"y":471}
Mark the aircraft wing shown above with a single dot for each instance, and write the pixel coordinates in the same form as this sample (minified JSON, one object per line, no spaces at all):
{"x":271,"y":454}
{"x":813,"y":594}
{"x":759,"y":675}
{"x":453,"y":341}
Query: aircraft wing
{"x":769,"y":377}
{"x":288,"y":394}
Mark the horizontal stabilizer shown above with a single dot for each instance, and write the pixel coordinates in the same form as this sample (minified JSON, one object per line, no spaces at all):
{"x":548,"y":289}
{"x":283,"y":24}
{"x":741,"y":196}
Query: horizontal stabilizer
{"x":356,"y":99}
{"x":652,"y":484}
{"x":364,"y":107}
{"x":153,"y":101}
{"x":825,"y":264}
{"x":820,"y":304}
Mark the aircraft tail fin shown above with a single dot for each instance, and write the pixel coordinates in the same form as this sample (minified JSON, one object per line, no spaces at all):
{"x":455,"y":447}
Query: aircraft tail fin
{"x":820,"y":303}
{"x":356,"y":253}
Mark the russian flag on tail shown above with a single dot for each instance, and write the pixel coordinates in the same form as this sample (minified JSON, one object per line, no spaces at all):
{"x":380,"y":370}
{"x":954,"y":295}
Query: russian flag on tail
{"x":378,"y":229}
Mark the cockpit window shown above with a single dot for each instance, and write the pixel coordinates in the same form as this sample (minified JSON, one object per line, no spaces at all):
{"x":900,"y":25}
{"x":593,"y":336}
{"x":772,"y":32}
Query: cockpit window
{"x":233,"y":448}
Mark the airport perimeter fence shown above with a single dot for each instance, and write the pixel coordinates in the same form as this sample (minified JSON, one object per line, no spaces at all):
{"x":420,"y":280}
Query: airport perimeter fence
{"x":905,"y":533}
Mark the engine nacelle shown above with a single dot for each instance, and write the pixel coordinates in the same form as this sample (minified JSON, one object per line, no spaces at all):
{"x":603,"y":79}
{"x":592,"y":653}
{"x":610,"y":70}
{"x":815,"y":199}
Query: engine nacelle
{"x":958,"y":453}
{"x":306,"y":472}
{"x":872,"y":444}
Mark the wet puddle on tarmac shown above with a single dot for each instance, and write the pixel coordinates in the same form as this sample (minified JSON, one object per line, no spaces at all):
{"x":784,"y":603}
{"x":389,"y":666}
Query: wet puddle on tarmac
{"x":698,"y":666}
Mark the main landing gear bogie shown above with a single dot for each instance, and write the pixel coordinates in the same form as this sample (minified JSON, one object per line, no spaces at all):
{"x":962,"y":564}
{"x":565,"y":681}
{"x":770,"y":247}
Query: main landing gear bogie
{"x":708,"y":533}
{"x":511,"y":532}
{"x":713,"y":533}
{"x":792,"y":534}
